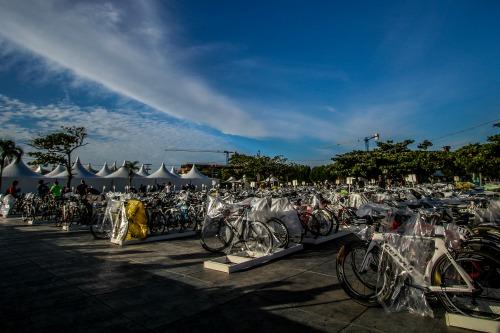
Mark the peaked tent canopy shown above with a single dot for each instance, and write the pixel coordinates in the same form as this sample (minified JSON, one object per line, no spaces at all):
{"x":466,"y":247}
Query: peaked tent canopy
{"x":122,"y":172}
{"x":17,"y":169}
{"x":58,"y":169}
{"x":78,"y":171}
{"x":172,"y":171}
{"x":163,"y":173}
{"x":104,"y":171}
{"x":113,"y":167}
{"x":194,"y":174}
{"x":142,"y":171}
{"x":41,"y":170}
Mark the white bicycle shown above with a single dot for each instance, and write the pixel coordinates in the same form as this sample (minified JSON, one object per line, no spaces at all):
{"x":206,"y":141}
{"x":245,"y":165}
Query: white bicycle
{"x":386,"y":268}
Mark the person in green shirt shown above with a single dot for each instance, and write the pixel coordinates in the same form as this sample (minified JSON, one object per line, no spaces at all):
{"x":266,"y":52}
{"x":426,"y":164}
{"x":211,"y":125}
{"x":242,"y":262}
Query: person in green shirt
{"x":56,"y":190}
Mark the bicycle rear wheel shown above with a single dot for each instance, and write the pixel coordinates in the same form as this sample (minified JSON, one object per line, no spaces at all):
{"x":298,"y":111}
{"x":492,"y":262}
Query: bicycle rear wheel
{"x":259,"y":239}
{"x":216,"y":235}
{"x":483,"y":268}
{"x":360,"y":284}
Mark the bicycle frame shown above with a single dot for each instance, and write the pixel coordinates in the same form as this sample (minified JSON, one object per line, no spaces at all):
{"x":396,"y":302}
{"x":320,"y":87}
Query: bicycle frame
{"x":418,"y":279}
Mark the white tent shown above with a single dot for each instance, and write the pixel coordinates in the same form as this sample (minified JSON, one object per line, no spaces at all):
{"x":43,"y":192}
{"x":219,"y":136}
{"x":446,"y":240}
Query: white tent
{"x":119,"y":178}
{"x":104,"y":171}
{"x":142,"y":171}
{"x":194,"y":173}
{"x":90,"y":169}
{"x":122,"y":173}
{"x":17,"y":170}
{"x":57,"y":170}
{"x":78,"y":171}
{"x":163,"y":173}
{"x":172,"y":171}
{"x":113,"y":167}
{"x":195,"y":177}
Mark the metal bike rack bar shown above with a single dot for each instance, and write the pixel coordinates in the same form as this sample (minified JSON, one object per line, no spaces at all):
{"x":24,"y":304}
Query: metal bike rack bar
{"x":472,"y":323}
{"x":155,"y":238}
{"x":324,"y":239}
{"x":244,"y":260}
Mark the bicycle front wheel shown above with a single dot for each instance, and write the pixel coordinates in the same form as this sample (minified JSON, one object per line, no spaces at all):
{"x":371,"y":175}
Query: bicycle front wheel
{"x":279,"y":231}
{"x":358,"y":282}
{"x":102,"y":228}
{"x":259,"y":239}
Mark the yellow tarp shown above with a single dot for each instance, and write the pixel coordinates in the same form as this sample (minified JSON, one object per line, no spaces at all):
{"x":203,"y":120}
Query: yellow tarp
{"x":137,"y":221}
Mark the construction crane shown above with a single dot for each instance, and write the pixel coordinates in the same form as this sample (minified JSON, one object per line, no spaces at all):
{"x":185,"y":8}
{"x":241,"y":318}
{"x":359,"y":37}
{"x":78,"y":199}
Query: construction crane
{"x":227,"y":152}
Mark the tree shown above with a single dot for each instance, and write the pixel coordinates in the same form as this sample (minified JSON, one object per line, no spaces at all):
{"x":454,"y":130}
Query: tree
{"x":8,"y":149}
{"x":424,"y":145}
{"x":132,"y":168}
{"x":55,"y":148}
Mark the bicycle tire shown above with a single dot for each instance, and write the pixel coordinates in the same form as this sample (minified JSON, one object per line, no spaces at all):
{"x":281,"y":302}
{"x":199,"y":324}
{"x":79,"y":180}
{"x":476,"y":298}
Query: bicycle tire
{"x":348,"y":259}
{"x":259,"y":239}
{"x":216,"y":235}
{"x":279,"y":231}
{"x":100,"y":230}
{"x":323,"y":220}
{"x":484,"y":269}
{"x":156,"y":223}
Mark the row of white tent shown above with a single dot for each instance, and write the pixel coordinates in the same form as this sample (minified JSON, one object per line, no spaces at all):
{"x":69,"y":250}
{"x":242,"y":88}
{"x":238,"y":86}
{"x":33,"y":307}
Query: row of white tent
{"x":110,"y":180}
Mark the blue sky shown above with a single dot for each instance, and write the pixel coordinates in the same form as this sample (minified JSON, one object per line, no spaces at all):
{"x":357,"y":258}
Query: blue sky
{"x":305,"y":79}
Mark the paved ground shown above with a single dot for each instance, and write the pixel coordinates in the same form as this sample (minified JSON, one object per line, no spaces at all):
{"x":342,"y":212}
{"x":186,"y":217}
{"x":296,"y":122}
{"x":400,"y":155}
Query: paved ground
{"x":53,"y":281}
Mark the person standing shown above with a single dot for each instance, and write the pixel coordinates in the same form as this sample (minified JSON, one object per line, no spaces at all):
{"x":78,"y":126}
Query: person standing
{"x":82,"y":188}
{"x":42,"y":189}
{"x":56,"y":190}
{"x":13,"y":189}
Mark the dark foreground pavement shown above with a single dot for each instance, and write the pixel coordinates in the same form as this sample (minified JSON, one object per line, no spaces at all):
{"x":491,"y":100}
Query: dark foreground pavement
{"x":53,"y":281}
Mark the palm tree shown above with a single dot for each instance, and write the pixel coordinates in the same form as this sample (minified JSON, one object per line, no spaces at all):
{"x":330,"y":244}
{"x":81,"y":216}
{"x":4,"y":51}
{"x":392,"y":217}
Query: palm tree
{"x":8,"y":149}
{"x":131,"y":167}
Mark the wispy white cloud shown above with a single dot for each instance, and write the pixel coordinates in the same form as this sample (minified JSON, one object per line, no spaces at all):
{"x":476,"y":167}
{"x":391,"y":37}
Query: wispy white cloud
{"x":113,"y":134}
{"x":125,"y":49}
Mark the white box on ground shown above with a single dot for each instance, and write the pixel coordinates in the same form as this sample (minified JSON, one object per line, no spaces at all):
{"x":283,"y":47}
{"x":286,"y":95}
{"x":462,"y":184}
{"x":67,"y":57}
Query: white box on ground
{"x":472,"y":323}
{"x":245,"y":260}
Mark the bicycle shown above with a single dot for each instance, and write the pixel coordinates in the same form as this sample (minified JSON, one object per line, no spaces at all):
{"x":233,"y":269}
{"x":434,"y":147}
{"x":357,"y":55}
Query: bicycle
{"x":465,"y":280}
{"x":218,"y":233}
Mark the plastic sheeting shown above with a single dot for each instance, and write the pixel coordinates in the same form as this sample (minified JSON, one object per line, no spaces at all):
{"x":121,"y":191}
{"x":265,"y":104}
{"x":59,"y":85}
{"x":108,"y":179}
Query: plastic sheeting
{"x":137,"y":221}
{"x":6,"y":204}
{"x":405,"y":256}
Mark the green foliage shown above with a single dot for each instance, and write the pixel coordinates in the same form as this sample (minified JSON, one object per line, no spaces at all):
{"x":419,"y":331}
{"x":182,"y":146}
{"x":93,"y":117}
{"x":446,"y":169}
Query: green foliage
{"x":260,"y":167}
{"x":57,"y":147}
{"x":8,"y":150}
{"x":424,"y":145}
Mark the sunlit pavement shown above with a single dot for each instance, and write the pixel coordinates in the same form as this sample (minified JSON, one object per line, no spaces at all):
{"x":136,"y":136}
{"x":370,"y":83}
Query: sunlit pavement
{"x":55,"y":281}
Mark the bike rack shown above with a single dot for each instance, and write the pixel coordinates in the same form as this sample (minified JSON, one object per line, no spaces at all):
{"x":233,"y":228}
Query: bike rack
{"x":244,"y":260}
{"x":155,"y":238}
{"x":324,"y":239}
{"x":472,"y":323}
